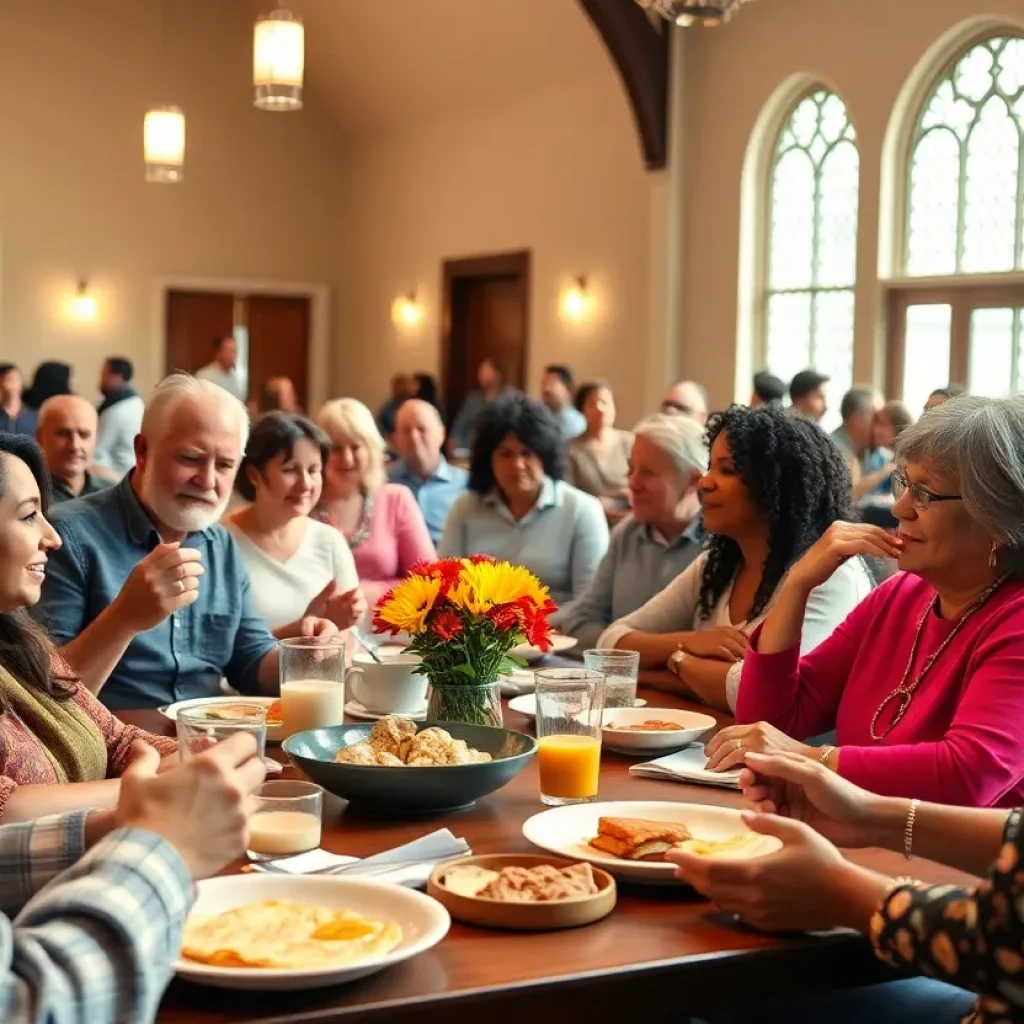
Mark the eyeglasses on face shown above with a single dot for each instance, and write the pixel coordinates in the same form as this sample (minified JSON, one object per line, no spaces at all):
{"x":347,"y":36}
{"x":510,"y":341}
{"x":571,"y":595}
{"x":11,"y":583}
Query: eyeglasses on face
{"x":920,"y":497}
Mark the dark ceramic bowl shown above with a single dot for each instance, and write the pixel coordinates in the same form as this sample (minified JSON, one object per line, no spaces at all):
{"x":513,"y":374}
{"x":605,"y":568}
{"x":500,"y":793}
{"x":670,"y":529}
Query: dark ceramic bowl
{"x":411,"y":790}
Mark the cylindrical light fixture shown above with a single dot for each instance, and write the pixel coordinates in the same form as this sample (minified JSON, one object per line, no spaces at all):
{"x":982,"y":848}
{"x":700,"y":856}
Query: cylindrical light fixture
{"x":278,"y":61}
{"x":164,"y":144}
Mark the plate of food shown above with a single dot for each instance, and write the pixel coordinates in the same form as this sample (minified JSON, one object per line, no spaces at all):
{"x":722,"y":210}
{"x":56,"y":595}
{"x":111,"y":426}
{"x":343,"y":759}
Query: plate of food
{"x":634,"y":731}
{"x":524,"y":892}
{"x":629,"y":839}
{"x":284,"y":933}
{"x":530,"y":654}
{"x":272,"y":705}
{"x":397,"y":765}
{"x":527,"y":705}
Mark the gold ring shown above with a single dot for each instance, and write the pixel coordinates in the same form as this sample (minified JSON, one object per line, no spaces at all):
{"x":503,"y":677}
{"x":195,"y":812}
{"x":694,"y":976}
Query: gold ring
{"x":739,"y":745}
{"x":181,"y":587}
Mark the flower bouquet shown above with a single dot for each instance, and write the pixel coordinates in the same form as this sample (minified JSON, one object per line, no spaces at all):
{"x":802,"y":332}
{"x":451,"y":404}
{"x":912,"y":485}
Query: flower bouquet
{"x":464,"y":616}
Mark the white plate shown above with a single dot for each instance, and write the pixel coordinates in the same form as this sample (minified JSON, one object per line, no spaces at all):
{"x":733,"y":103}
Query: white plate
{"x":520,"y":680}
{"x":356,"y":710}
{"x":527,"y":705}
{"x":275,"y":733}
{"x":424,"y":924}
{"x":531,"y":654}
{"x":568,"y":830}
{"x":691,"y":727}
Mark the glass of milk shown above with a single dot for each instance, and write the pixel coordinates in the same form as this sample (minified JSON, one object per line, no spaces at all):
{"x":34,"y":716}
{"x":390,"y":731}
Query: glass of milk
{"x":286,"y":820}
{"x":312,"y":683}
{"x":620,"y":670}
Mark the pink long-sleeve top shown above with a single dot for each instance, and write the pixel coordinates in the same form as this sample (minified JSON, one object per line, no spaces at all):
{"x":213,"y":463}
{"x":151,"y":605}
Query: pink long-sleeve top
{"x":398,"y":538}
{"x":962,"y":738}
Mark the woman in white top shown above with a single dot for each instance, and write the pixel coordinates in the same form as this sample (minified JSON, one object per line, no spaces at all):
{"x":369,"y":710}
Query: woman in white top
{"x":298,"y":566}
{"x":774,"y":485}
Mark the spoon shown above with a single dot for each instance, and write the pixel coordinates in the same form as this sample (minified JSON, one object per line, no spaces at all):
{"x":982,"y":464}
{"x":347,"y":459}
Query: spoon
{"x":366,"y":647}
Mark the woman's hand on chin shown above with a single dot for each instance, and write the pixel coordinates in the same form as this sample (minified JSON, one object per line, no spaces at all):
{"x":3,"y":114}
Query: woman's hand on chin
{"x":838,"y":544}
{"x":728,"y":749}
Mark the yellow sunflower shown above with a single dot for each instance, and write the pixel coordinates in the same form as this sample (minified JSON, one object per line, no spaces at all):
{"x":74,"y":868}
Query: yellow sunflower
{"x":487,"y":584}
{"x":409,"y":604}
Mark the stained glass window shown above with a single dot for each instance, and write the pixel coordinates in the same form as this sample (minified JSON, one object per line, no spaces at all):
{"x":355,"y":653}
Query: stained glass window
{"x":812,"y":245}
{"x":966,"y":189}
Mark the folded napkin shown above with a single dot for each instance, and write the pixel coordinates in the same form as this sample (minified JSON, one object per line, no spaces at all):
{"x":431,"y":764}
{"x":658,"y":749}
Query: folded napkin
{"x":518,"y":681}
{"x":409,"y":865}
{"x":687,"y":765}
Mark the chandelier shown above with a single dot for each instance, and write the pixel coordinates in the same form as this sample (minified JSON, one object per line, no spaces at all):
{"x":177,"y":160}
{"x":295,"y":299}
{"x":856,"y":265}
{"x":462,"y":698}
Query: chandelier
{"x":708,"y":13}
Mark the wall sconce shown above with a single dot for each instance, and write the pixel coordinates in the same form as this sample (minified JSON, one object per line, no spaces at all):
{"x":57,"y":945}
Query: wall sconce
{"x":407,"y":312}
{"x":279,"y":60}
{"x":164,"y":145}
{"x":577,"y":302}
{"x":83,"y":305}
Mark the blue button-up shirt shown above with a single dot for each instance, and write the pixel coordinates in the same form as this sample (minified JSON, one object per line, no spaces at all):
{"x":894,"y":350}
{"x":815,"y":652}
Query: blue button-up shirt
{"x":571,"y":422}
{"x":434,"y":495}
{"x":24,"y":423}
{"x":105,"y":536}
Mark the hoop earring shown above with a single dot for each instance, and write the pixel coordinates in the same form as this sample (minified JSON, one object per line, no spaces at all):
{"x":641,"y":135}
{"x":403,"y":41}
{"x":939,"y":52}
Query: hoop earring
{"x":992,"y":555}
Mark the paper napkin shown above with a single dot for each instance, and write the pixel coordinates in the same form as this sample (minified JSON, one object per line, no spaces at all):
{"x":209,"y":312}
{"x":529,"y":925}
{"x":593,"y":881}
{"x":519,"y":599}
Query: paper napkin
{"x":687,"y":765}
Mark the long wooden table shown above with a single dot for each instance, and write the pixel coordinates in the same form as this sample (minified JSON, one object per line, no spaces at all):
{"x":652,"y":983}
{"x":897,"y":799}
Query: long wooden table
{"x":662,"y":953}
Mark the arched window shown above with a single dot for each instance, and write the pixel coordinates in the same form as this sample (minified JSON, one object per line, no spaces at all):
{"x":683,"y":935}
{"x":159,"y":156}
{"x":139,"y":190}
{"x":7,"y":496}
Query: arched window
{"x":964,"y":189}
{"x":812,"y":243}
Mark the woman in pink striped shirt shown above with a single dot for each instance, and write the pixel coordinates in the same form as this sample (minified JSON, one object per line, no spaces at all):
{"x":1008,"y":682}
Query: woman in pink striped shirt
{"x":924,"y":681}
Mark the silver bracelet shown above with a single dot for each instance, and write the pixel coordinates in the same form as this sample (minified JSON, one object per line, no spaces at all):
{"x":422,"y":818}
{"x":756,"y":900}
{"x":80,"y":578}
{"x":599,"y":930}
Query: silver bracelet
{"x":908,"y":830}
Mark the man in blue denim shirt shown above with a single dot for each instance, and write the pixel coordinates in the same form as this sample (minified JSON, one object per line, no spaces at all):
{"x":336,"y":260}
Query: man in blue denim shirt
{"x":148,"y":597}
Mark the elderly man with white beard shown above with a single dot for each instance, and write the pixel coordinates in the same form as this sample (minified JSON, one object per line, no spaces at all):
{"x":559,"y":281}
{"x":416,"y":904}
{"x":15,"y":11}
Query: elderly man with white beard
{"x":148,"y":596}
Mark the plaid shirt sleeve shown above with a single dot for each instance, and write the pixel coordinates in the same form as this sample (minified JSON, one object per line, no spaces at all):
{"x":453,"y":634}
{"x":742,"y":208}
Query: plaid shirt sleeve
{"x":96,"y":945}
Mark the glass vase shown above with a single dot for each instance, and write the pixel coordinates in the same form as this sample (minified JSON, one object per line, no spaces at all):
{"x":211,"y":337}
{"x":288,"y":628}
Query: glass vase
{"x":472,"y":703}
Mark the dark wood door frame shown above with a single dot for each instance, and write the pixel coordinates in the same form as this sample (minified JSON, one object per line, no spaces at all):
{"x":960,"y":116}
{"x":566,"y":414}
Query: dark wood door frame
{"x":512,"y":264}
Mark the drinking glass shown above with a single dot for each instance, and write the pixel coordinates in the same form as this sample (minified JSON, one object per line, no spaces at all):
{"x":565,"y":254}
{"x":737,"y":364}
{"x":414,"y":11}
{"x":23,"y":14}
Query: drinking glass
{"x":570,"y":705}
{"x":312,"y":683}
{"x":620,"y":670}
{"x":286,"y":820}
{"x":200,"y":728}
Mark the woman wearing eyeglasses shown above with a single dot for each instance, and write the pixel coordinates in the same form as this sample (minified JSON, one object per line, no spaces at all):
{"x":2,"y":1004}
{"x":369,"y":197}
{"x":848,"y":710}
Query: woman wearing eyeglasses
{"x":924,"y":681}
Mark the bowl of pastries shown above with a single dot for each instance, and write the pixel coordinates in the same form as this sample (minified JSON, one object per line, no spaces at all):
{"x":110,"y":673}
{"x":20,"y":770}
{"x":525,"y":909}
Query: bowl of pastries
{"x":523,"y":892}
{"x":401,"y":767}
{"x":649,"y":730}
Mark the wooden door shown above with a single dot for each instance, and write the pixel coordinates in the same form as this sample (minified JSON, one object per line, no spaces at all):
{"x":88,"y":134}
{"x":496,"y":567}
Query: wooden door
{"x":486,"y":315}
{"x":278,"y":342}
{"x":193,"y":321}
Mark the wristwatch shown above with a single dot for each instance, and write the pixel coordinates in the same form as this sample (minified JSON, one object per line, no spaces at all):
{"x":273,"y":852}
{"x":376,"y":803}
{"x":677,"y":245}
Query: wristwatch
{"x":675,"y":661}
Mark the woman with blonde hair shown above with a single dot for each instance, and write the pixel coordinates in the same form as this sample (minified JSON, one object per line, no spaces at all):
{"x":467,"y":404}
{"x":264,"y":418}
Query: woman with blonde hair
{"x":381,"y":521}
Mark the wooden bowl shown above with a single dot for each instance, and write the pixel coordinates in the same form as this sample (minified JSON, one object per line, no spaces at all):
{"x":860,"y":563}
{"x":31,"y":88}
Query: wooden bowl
{"x":525,"y":917}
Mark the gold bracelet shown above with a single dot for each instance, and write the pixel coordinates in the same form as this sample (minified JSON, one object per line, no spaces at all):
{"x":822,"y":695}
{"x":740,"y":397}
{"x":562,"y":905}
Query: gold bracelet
{"x":908,"y":830}
{"x":826,"y":753}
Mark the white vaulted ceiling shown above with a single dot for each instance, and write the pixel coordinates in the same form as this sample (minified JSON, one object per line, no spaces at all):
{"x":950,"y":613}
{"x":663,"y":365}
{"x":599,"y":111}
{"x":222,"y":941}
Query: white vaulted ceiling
{"x":375,"y":64}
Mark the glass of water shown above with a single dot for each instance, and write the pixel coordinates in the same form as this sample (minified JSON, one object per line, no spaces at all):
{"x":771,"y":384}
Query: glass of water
{"x":620,"y":670}
{"x":200,"y":728}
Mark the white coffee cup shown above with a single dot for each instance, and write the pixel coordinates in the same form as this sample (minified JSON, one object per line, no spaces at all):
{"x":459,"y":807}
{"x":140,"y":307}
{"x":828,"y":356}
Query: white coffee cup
{"x":390,"y":688}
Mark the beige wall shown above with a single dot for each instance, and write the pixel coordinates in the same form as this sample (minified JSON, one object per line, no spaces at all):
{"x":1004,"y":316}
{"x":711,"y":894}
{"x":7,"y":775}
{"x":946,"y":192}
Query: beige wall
{"x":75,"y":80}
{"x":866,"y":51}
{"x":558,"y":172}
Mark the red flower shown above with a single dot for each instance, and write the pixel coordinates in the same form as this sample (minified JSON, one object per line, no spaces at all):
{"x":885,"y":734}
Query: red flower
{"x":505,"y":617}
{"x":379,"y":626}
{"x":448,"y":569}
{"x":481,"y":559}
{"x":534,"y":621}
{"x":446,"y":624}
{"x":423,"y":568}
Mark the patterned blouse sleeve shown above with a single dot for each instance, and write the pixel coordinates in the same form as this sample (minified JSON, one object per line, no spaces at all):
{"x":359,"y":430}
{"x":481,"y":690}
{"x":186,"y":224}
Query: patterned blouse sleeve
{"x":119,"y":736}
{"x":970,"y":938}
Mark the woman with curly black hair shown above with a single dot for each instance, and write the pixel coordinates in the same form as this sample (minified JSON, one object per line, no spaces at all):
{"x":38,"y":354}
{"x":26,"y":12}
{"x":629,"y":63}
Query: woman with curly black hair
{"x":775,"y":483}
{"x":519,"y":509}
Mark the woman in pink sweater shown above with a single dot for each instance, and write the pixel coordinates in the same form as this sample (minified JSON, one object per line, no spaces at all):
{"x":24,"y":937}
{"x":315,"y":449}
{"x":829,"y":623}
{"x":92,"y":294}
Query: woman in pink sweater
{"x":382,"y":522}
{"x":924,"y":681}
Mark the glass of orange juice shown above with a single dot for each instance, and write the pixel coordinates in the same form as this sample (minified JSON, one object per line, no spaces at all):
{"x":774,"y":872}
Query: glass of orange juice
{"x":570,"y":705}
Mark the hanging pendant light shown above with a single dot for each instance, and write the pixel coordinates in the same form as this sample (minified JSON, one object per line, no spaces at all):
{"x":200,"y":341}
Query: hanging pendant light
{"x":164,"y":145}
{"x":279,"y":60}
{"x":708,"y":13}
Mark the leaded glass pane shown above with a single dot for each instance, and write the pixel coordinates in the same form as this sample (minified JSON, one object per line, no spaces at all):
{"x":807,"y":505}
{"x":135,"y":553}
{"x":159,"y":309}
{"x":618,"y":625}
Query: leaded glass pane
{"x":812,"y":250}
{"x":992,"y":349}
{"x":966,"y":188}
{"x":926,"y":351}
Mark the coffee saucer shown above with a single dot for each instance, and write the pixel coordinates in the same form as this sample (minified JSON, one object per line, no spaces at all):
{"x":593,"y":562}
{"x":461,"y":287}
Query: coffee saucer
{"x":356,"y":710}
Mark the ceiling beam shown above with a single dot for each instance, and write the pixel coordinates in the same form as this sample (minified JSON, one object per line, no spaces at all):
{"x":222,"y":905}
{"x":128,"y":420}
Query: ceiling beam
{"x":640,"y":51}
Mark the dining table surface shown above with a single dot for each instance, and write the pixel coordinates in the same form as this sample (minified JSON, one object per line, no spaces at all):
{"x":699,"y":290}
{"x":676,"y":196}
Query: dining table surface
{"x":663,"y":954}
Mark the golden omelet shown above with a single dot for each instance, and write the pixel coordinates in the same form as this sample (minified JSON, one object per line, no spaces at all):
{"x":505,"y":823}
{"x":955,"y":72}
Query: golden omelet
{"x":277,"y":933}
{"x":740,"y":845}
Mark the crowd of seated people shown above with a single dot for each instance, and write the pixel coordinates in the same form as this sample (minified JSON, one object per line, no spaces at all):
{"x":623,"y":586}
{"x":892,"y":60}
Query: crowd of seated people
{"x":737,"y":566}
